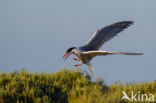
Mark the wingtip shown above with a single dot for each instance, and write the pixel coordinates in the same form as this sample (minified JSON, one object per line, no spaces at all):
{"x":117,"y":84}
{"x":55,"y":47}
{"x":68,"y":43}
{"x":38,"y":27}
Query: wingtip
{"x":128,"y":21}
{"x":123,"y":24}
{"x":131,"y":22}
{"x":141,"y":53}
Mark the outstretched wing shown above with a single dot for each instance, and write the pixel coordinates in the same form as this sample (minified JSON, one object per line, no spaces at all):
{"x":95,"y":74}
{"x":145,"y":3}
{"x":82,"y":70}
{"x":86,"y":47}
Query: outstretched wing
{"x":105,"y":34}
{"x":91,"y":54}
{"x":90,"y":67}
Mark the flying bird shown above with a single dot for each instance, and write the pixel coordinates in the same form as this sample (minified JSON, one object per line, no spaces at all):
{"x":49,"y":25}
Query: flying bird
{"x":91,"y":49}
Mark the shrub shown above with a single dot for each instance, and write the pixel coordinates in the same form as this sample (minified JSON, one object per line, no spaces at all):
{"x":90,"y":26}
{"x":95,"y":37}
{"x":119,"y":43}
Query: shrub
{"x":64,"y":86}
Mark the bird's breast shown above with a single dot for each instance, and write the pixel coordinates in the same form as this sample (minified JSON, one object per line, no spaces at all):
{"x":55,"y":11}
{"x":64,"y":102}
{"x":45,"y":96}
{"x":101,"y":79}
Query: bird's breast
{"x":80,"y":55}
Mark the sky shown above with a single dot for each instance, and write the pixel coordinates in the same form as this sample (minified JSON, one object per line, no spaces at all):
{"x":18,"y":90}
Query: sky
{"x":34,"y":35}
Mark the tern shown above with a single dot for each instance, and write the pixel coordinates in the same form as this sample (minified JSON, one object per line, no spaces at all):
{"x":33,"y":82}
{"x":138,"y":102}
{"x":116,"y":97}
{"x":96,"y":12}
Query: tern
{"x":91,"y":49}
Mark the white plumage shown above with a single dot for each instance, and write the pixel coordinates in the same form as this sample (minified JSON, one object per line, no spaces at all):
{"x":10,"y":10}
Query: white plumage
{"x":91,"y":49}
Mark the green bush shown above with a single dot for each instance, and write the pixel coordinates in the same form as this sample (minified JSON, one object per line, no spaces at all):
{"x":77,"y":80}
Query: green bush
{"x":64,"y":86}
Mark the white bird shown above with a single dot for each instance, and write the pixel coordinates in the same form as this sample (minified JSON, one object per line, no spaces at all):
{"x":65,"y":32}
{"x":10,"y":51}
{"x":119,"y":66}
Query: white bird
{"x":91,"y":49}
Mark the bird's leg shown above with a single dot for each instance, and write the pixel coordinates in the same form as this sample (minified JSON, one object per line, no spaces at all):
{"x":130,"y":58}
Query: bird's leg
{"x":76,"y":59}
{"x":77,"y":65}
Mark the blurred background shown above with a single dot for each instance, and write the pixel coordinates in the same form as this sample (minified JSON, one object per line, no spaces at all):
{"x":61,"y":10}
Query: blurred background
{"x":34,"y":34}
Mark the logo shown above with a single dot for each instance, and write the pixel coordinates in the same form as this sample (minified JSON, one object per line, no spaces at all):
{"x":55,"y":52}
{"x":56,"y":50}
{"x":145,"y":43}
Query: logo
{"x":137,"y":96}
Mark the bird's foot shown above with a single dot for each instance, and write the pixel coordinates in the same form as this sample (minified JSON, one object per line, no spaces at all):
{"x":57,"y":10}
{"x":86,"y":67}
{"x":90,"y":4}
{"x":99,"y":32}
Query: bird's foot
{"x":76,"y":59}
{"x":77,"y":65}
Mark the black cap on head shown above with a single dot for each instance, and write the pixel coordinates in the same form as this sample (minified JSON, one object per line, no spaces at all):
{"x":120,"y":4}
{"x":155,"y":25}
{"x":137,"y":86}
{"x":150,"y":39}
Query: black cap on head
{"x":70,"y":49}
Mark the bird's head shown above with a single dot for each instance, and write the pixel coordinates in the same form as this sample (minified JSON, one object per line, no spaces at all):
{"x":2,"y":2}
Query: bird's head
{"x":68,"y":52}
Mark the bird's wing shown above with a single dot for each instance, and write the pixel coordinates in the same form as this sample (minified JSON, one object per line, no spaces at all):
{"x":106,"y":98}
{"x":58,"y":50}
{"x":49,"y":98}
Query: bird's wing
{"x":105,"y":34}
{"x":90,"y":66}
{"x":91,"y":54}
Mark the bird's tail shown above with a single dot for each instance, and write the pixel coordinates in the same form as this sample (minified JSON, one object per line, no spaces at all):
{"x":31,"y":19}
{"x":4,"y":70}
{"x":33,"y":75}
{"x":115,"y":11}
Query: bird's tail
{"x":128,"y":53}
{"x":90,"y":66}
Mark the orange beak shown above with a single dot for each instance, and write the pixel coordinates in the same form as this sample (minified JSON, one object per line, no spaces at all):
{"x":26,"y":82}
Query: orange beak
{"x":66,"y":56}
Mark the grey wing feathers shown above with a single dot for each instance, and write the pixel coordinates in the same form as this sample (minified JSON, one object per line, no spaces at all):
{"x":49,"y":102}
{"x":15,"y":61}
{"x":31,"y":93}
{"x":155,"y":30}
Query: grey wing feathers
{"x":105,"y":34}
{"x":96,"y":53}
{"x":91,"y":54}
{"x":127,"y":53}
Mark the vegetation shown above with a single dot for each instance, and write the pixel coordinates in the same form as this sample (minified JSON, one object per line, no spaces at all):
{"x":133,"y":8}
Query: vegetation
{"x":65,"y":86}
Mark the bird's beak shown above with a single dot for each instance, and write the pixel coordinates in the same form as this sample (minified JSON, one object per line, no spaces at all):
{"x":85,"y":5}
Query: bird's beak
{"x":66,"y":56}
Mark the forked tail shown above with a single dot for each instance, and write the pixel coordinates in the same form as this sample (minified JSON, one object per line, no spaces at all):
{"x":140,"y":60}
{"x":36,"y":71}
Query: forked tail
{"x":90,"y":66}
